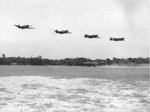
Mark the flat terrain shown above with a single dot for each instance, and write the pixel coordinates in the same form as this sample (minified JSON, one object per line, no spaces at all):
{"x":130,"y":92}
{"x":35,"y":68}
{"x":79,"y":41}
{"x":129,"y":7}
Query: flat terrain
{"x":108,"y":72}
{"x":74,"y":89}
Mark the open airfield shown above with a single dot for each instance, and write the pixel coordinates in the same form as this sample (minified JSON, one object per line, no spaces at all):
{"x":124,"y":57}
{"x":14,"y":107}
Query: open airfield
{"x":74,"y":89}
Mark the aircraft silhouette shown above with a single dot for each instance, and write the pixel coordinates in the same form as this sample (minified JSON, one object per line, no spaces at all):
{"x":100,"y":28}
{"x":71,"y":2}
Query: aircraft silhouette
{"x":89,"y":64}
{"x":117,"y":39}
{"x":62,"y":31}
{"x":91,"y":36}
{"x":24,"y":26}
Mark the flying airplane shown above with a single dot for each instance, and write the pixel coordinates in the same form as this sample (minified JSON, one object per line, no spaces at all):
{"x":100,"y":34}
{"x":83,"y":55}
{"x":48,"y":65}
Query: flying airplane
{"x":91,"y":36}
{"x":24,"y":26}
{"x":62,"y":31}
{"x":116,"y":39}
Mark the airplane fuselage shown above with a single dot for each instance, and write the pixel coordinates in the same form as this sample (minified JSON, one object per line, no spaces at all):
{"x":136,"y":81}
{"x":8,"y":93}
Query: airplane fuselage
{"x":89,"y":64}
{"x":62,"y":31}
{"x":117,"y":39}
{"x":91,"y":36}
{"x":24,"y":26}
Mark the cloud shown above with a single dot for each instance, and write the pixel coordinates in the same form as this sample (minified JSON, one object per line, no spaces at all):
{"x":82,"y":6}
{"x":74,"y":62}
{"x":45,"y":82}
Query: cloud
{"x":137,"y":15}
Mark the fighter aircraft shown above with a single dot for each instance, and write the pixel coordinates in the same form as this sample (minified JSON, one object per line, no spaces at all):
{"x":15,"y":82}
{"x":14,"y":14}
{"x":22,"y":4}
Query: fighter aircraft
{"x":62,"y":31}
{"x":91,"y":36}
{"x":117,"y":39}
{"x":89,"y":64}
{"x":24,"y":26}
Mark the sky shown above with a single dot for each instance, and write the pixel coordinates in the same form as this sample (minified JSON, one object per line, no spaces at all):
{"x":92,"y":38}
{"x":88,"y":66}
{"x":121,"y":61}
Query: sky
{"x":107,"y":18}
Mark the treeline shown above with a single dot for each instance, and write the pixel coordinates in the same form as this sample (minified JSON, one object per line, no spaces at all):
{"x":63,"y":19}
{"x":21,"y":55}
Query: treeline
{"x":71,"y":61}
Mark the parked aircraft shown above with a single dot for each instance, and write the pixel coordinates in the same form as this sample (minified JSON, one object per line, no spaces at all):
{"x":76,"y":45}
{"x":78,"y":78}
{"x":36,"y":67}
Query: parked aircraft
{"x":90,"y":64}
{"x":116,"y":39}
{"x":24,"y":26}
{"x":91,"y":36}
{"x":62,"y":31}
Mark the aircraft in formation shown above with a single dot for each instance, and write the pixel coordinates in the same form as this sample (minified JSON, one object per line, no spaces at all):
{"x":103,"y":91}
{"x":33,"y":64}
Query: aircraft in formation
{"x":91,"y":36}
{"x":62,"y":31}
{"x":117,"y":39}
{"x":68,"y":32}
{"x":24,"y":26}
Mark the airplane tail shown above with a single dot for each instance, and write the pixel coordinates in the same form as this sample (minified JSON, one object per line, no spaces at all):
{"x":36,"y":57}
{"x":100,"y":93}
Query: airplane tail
{"x":17,"y":25}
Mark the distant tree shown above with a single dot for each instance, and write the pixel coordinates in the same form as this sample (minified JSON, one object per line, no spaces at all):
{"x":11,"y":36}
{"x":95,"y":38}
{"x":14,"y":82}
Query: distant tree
{"x":40,"y":57}
{"x":79,"y":61}
{"x":108,"y":61}
{"x":3,"y":55}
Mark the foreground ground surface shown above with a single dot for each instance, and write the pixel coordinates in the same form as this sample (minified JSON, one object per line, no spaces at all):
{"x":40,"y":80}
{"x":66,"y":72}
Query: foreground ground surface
{"x":74,"y":89}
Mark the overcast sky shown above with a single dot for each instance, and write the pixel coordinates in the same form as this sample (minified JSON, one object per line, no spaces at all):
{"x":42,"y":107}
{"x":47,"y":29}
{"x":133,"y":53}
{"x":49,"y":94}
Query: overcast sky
{"x":116,"y":18}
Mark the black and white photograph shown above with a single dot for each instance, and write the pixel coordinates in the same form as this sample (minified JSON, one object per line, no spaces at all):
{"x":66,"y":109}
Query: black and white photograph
{"x":74,"y":56}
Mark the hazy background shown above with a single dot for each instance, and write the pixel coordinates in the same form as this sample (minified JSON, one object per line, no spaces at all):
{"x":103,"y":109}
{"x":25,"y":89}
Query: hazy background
{"x":116,"y":18}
